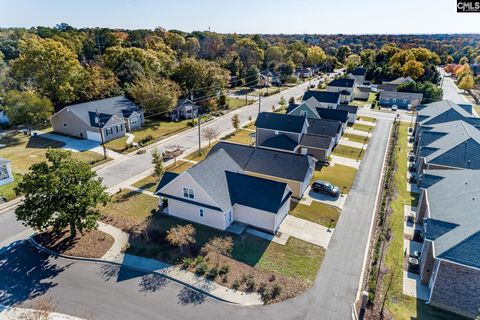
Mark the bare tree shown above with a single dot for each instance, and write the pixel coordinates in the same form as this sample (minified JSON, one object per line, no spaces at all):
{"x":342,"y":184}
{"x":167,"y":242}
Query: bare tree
{"x":209,"y":134}
{"x":43,"y":307}
{"x":181,"y":236}
{"x":219,"y":246}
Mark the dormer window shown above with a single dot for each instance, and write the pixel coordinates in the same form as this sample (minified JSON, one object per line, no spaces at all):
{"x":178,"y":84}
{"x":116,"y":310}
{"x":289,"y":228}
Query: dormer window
{"x":303,"y":113}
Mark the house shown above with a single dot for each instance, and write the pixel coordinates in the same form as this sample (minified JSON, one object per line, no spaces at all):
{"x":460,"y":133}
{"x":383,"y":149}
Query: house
{"x":185,"y":109}
{"x":450,"y":258}
{"x":399,"y":81}
{"x":335,"y":115}
{"x":294,"y":169}
{"x":442,"y":112}
{"x":352,"y":112}
{"x":361,"y":92}
{"x":100,"y":120}
{"x":329,"y":100}
{"x":384,"y":87}
{"x":4,"y":118}
{"x":344,"y":86}
{"x":450,"y":145}
{"x":216,"y":192}
{"x":304,"y":72}
{"x":358,"y":75}
{"x":403,"y":100}
{"x":292,"y":133}
{"x":6,"y":175}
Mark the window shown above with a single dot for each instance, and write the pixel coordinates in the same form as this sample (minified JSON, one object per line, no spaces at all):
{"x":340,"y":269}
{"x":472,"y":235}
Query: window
{"x":119,"y":128}
{"x":405,"y":101}
{"x":109,"y":131}
{"x":277,"y":132}
{"x":201,"y":213}
{"x":188,"y":193}
{"x":4,"y":172}
{"x":134,"y":121}
{"x":303,"y":113}
{"x":394,"y":100}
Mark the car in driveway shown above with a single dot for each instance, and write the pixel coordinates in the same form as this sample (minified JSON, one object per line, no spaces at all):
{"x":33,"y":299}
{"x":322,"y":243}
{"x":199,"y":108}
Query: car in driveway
{"x":413,"y":265}
{"x":325,"y":187}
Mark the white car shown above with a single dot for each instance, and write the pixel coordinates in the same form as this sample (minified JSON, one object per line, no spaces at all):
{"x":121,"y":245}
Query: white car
{"x":394,"y":107}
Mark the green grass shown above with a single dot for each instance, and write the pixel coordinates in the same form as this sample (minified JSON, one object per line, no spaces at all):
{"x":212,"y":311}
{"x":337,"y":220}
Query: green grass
{"x":365,"y":118}
{"x":355,"y":138}
{"x":348,"y":152}
{"x":195,"y":156}
{"x":297,"y":259}
{"x":235,"y":103}
{"x":7,"y":190}
{"x":317,"y":212}
{"x":358,"y":103}
{"x":362,"y":127}
{"x":157,"y":129}
{"x":339,"y":175}
{"x":242,"y":137}
{"x":150,"y":183}
{"x":477,"y":108}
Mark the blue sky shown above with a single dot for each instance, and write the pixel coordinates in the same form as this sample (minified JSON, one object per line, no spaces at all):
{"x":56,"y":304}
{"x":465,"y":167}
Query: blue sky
{"x":247,"y":16}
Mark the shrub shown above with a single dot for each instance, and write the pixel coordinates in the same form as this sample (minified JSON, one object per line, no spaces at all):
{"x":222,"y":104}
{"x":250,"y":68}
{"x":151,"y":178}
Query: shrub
{"x":146,"y":139}
{"x":141,"y":151}
{"x":201,"y":269}
{"x":199,"y":259}
{"x":225,"y":279}
{"x":272,"y":277}
{"x":276,"y":290}
{"x":261,"y":287}
{"x":224,"y":269}
{"x":236,"y":285}
{"x":250,"y":283}
{"x":188,"y":262}
{"x":266,"y":295}
{"x":213,"y":273}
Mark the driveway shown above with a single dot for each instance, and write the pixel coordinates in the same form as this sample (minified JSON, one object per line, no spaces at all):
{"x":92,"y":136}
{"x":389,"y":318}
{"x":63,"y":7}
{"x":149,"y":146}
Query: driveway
{"x":310,"y":196}
{"x":306,"y":231}
{"x":72,"y":144}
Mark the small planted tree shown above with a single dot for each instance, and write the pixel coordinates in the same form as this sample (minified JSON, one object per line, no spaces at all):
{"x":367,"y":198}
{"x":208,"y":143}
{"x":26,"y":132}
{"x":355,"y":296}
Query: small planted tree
{"x":60,"y":193}
{"x":219,"y":246}
{"x":209,"y":134}
{"x":157,"y":161}
{"x":282,"y":102}
{"x":236,"y":122}
{"x":181,"y":236}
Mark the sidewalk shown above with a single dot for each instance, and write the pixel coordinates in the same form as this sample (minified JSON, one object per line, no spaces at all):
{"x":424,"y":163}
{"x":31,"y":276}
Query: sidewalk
{"x":24,"y":313}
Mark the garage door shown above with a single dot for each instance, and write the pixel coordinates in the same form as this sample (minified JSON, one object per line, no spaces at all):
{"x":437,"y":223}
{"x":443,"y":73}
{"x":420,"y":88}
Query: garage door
{"x":95,"y":136}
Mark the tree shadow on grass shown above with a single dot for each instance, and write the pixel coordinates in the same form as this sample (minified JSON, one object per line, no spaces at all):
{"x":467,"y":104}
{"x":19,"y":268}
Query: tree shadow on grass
{"x":188,"y":296}
{"x":25,"y":273}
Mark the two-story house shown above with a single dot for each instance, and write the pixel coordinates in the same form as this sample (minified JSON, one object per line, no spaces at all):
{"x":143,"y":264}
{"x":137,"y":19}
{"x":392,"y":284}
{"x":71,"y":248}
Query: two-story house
{"x":345,"y":87}
{"x":358,"y":75}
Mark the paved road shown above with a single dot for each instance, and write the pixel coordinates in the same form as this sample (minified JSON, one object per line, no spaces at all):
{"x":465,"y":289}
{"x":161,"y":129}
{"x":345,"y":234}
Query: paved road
{"x":450,"y":89}
{"x":9,"y":226}
{"x":81,"y":286}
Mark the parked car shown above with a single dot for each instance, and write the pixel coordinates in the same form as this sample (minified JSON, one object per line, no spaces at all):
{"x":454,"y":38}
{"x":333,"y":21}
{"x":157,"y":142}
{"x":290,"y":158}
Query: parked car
{"x":413,"y":265}
{"x":418,"y":235}
{"x":411,"y":217}
{"x":325,"y":187}
{"x":412,"y":179}
{"x":411,"y":167}
{"x":394,"y":107}
{"x":416,"y":255}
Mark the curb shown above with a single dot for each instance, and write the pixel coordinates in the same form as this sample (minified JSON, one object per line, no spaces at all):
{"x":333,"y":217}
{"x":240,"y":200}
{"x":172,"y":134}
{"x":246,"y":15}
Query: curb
{"x":100,"y":261}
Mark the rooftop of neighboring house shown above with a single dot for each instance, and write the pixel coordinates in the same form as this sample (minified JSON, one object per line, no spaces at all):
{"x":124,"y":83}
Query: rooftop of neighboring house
{"x":454,"y":144}
{"x":4,"y":161}
{"x":316,"y":141}
{"x":281,"y":142}
{"x":225,"y":182}
{"x":363,"y":88}
{"x":454,"y":208}
{"x":348,"y":108}
{"x":324,"y":127}
{"x":333,"y":114}
{"x":387,"y":87}
{"x":280,"y":122}
{"x":410,"y":96}
{"x":342,"y":82}
{"x":185,"y":102}
{"x":399,"y":81}
{"x":286,"y":165}
{"x":442,"y":111}
{"x":119,"y":106}
{"x":359,"y":71}
{"x":322,"y":96}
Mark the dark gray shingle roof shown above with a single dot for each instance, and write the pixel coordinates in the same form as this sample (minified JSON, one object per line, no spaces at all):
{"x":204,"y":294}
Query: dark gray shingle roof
{"x":324,"y":127}
{"x":342,"y":82}
{"x":359,"y":71}
{"x":333,"y":114}
{"x":280,"y":141}
{"x":322,"y":96}
{"x":316,"y":141}
{"x":349,"y":109}
{"x":281,"y":122}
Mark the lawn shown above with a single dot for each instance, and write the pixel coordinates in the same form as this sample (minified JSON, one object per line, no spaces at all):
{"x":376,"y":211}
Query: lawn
{"x":339,"y":175}
{"x":199,"y":157}
{"x":150,"y":183}
{"x":157,"y":130}
{"x":348,"y":152}
{"x":317,"y":212}
{"x":365,"y":118}
{"x":235,"y":103}
{"x":23,"y":151}
{"x":355,"y":138}
{"x":362,"y":127}
{"x":242,"y":136}
{"x":7,"y":190}
{"x":477,"y":108}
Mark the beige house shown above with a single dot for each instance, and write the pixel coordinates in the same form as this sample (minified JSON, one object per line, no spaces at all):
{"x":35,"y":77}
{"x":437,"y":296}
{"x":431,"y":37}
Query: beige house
{"x":6,"y":175}
{"x":216,"y":192}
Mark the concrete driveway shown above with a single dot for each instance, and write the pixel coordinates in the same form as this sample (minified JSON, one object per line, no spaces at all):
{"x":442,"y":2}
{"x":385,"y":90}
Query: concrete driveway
{"x":306,"y":231}
{"x":310,"y":196}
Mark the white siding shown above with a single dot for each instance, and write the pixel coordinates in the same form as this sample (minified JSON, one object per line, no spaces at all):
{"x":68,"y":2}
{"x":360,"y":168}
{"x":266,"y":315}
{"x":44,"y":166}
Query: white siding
{"x":254,"y":217}
{"x":191,"y":212}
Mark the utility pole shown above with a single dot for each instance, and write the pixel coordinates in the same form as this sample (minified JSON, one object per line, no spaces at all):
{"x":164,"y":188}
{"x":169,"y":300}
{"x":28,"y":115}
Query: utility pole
{"x":259,"y":102}
{"x":101,"y":134}
{"x":199,"y":135}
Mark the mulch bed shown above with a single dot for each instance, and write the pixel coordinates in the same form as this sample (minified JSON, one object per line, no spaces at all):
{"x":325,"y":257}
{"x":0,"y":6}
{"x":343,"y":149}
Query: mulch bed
{"x":92,"y":244}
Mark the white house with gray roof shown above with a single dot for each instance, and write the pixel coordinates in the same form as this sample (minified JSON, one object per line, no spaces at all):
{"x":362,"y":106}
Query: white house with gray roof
{"x":111,"y":117}
{"x":449,"y":207}
{"x":403,"y":100}
{"x":6,"y":175}
{"x":217,"y":192}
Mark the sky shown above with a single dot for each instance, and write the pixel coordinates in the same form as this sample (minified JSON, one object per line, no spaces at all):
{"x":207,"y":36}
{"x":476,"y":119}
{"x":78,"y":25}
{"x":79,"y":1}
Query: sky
{"x":247,"y":16}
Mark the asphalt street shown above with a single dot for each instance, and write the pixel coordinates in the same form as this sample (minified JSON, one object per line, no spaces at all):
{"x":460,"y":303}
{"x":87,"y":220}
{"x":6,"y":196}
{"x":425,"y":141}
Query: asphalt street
{"x":450,"y":89}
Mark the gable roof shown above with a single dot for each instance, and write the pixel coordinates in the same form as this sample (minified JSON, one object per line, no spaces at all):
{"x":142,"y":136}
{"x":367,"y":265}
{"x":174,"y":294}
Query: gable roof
{"x":454,"y":222}
{"x":286,"y":165}
{"x":256,"y":192}
{"x":399,"y":80}
{"x":324,"y":127}
{"x":280,"y":122}
{"x":359,"y":71}
{"x":316,"y":141}
{"x":348,"y":108}
{"x":311,"y":104}
{"x":342,"y":82}
{"x":401,"y":95}
{"x":281,"y":142}
{"x":99,"y":121}
{"x":458,"y":145}
{"x":119,"y":106}
{"x":440,"y":112}
{"x":166,"y":178}
{"x":322,"y":96}
{"x":333,"y":114}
